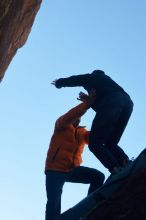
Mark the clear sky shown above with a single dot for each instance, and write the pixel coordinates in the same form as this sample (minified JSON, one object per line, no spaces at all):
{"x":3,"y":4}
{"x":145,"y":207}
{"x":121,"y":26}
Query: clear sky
{"x":68,"y":37}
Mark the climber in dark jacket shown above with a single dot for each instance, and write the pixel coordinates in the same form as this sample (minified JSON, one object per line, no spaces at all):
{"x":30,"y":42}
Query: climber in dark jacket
{"x":113,"y":108}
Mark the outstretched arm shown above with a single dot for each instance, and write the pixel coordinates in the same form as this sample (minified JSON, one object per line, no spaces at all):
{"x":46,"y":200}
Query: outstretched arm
{"x":72,"y":81}
{"x":79,"y":110}
{"x":71,"y":115}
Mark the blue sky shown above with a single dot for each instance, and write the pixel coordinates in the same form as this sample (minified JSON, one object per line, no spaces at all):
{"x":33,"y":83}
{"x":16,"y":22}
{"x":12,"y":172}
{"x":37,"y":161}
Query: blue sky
{"x":68,"y":37}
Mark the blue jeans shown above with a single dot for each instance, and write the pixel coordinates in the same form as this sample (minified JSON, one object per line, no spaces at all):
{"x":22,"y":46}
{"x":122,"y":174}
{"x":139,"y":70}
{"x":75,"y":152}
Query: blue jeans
{"x":56,"y":179}
{"x":107,"y":128}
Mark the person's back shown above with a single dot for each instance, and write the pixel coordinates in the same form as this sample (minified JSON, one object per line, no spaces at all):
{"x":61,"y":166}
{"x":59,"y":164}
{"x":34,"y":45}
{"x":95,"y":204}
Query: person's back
{"x":104,"y":85}
{"x":66,"y":147}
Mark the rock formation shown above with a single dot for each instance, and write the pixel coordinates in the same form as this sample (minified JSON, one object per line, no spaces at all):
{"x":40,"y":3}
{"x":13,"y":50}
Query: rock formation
{"x":122,"y":196}
{"x":127,"y":204}
{"x":16,"y":20}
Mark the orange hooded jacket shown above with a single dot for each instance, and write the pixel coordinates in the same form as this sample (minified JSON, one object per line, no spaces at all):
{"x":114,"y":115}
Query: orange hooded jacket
{"x":67,"y":142}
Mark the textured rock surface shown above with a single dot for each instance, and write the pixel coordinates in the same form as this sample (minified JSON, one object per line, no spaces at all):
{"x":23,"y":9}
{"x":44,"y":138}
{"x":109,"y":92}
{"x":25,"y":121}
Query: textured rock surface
{"x":128,"y":204}
{"x":16,"y":20}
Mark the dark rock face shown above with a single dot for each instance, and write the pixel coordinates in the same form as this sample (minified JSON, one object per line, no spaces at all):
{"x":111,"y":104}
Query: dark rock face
{"x":16,"y":20}
{"x":129,"y":203}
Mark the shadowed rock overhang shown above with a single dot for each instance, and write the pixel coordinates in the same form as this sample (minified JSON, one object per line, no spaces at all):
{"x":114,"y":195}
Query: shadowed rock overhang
{"x":16,"y":20}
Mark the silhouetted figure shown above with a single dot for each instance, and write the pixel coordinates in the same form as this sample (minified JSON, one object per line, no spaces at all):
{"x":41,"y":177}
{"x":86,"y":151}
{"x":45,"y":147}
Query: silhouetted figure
{"x":64,"y":159}
{"x":113,"y":108}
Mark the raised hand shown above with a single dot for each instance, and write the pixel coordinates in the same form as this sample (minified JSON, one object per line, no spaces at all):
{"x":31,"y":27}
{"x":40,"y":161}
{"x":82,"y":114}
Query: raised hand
{"x":56,"y":83}
{"x":83,"y":97}
{"x":87,"y":98}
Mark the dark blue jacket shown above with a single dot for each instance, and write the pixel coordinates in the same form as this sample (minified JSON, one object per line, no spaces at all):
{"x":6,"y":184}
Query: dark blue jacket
{"x":97,"y":80}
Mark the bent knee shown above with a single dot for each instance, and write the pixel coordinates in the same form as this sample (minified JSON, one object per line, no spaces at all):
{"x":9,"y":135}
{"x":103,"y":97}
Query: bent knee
{"x":95,"y":147}
{"x":102,"y":177}
{"x":98,"y":177}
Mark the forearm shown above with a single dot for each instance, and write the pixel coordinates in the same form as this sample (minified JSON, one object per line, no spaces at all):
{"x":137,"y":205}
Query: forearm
{"x":72,"y":81}
{"x":72,"y":115}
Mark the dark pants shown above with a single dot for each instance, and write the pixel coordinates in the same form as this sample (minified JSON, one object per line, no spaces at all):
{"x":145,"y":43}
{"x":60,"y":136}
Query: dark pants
{"x":55,"y":181}
{"x":108,"y":127}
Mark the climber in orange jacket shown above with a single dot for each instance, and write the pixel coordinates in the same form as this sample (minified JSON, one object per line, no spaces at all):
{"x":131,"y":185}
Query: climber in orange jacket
{"x":64,"y":158}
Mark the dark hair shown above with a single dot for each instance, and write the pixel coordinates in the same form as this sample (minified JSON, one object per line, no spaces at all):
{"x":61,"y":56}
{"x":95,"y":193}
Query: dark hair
{"x":98,"y":72}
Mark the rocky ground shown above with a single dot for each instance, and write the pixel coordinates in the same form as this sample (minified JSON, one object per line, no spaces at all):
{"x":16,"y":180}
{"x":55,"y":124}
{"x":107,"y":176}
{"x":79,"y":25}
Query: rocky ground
{"x":129,"y":203}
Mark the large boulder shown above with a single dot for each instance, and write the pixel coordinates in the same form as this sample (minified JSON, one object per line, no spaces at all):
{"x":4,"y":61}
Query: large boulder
{"x":122,"y":196}
{"x":16,"y":20}
{"x":126,"y":204}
